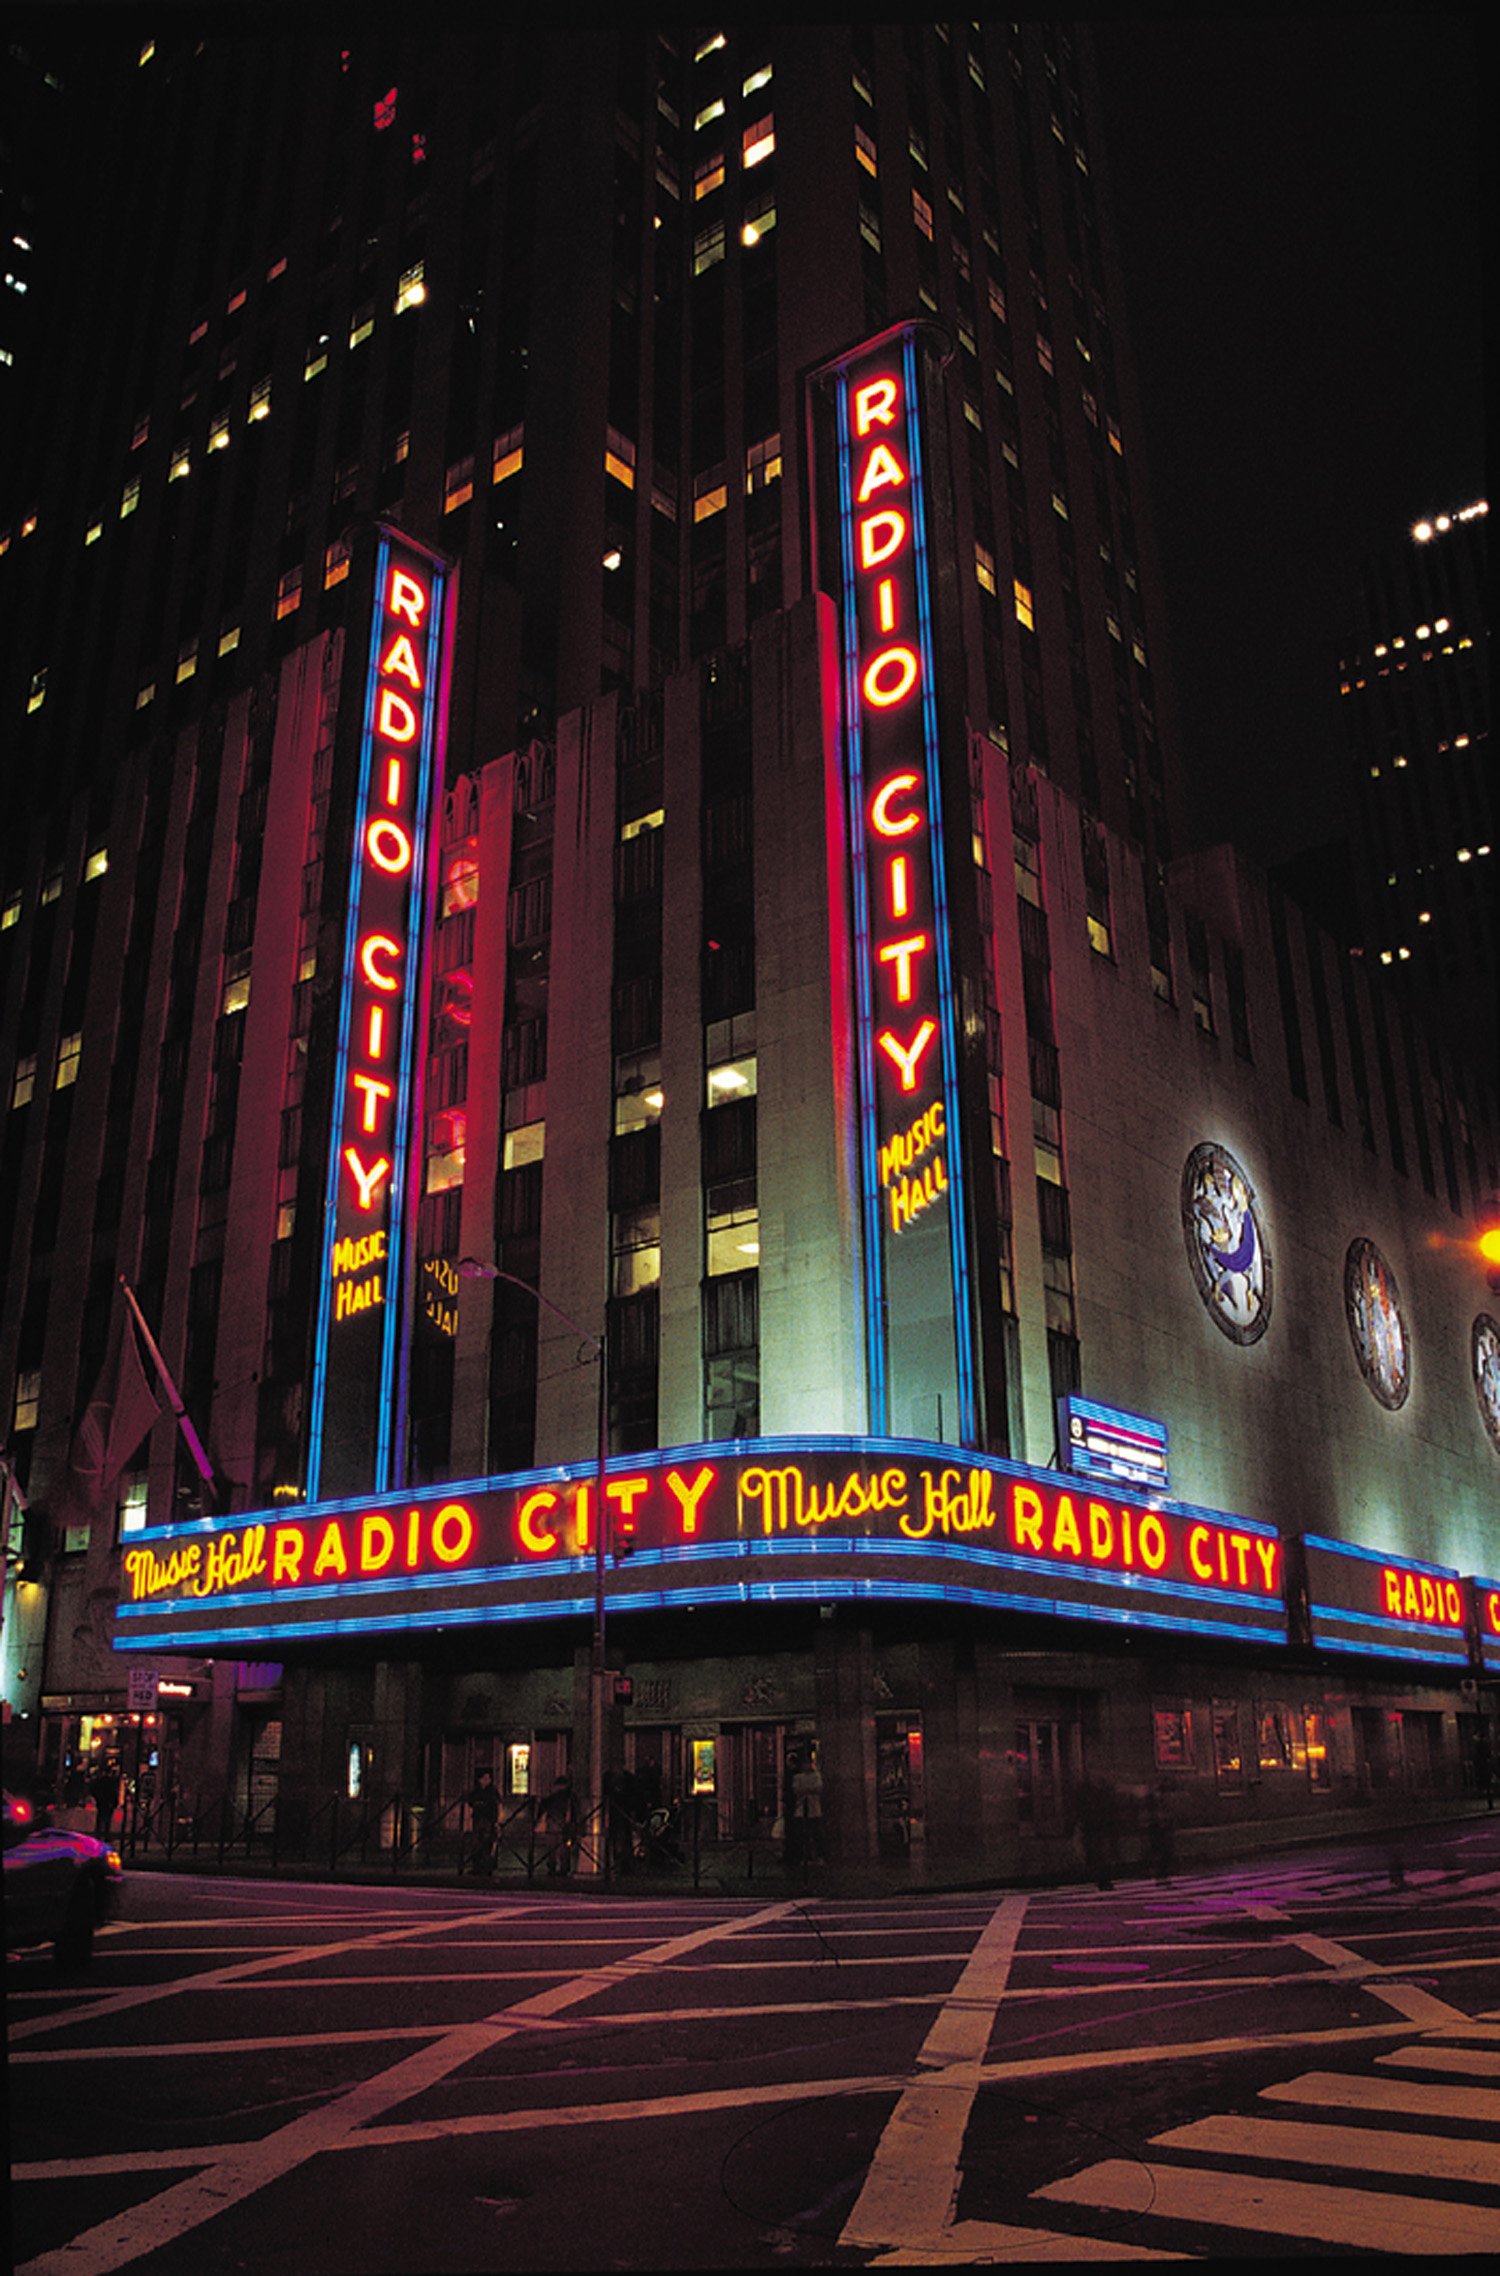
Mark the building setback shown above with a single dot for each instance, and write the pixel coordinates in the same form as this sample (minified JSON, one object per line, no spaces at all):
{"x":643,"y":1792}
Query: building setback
{"x":595,"y":894}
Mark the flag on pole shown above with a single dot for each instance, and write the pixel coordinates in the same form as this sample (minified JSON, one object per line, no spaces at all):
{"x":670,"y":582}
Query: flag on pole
{"x":126,"y":1402}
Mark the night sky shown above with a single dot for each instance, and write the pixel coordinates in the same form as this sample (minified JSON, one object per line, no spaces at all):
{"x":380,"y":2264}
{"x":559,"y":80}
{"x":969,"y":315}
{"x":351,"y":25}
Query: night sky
{"x":1299,"y":206}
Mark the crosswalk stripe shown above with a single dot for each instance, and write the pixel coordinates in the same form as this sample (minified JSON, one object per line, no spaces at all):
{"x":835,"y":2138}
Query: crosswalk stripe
{"x":1478,"y":2062}
{"x":1363,"y":2149}
{"x":1411,"y":2097}
{"x":1372,"y":2219}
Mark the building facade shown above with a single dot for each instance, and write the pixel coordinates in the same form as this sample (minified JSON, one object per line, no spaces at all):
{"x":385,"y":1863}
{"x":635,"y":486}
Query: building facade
{"x":596,"y":919}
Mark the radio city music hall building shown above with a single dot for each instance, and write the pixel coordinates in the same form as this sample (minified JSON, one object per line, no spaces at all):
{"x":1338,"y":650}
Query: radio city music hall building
{"x":694,"y":833}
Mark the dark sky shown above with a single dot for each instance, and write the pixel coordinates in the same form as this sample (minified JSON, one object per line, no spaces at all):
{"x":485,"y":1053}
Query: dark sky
{"x":1299,"y":204}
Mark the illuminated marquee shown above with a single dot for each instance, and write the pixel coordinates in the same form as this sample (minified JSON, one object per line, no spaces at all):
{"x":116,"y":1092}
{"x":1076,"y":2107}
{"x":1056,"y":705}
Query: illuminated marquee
{"x":1486,"y":1599}
{"x":1360,"y":1601}
{"x":916,"y":1300}
{"x":359,"y":1355}
{"x":777,"y":1520}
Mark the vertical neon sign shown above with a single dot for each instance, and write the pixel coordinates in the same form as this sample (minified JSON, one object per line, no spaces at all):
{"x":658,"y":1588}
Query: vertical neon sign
{"x":359,"y":1357}
{"x":916,"y":1278}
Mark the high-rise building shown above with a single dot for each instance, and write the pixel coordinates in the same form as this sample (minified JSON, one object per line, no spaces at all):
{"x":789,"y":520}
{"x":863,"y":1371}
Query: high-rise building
{"x":1416,"y":697}
{"x":595,"y":923}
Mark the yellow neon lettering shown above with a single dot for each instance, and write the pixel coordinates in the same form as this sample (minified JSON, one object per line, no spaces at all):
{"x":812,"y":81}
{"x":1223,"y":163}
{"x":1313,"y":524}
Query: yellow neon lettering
{"x":1026,"y":1517}
{"x":332,"y":1556}
{"x":369,"y":1181}
{"x":380,"y":944}
{"x":900,"y":953}
{"x":890,"y":676}
{"x":388,"y":845}
{"x":881,"y":820}
{"x":406,"y":598}
{"x":395,"y":719}
{"x":882,"y":470}
{"x":540,"y":1544}
{"x":287,"y":1552}
{"x":881,"y":535}
{"x":375,"y":1089}
{"x":401,"y":659}
{"x":907,"y":1058}
{"x":452,"y":1533}
{"x":689,"y":1495}
{"x":875,"y":404}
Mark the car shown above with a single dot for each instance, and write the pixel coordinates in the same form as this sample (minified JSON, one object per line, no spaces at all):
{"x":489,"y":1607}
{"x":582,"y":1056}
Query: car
{"x":58,"y":1886}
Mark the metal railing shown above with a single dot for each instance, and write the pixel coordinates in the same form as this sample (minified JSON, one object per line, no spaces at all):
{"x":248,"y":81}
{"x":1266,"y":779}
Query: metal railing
{"x":399,"y":1833}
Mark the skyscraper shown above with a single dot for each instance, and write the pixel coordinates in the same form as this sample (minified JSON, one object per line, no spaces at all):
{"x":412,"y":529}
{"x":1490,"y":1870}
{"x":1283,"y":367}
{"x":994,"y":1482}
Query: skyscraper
{"x":1415,"y":690}
{"x":596,"y":924}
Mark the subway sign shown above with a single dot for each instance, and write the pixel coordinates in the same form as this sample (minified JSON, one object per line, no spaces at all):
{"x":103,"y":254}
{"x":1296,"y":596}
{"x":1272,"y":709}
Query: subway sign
{"x":363,"y":1326}
{"x":917,"y":1325}
{"x":776,"y":1521}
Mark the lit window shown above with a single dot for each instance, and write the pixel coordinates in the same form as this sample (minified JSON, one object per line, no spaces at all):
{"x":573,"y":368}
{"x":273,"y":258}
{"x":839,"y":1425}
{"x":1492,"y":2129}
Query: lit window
{"x":639,"y":1097}
{"x":458,"y":484}
{"x":317,"y":357}
{"x":145,"y":694}
{"x":38,"y":695}
{"x":1024,"y":613}
{"x":335,"y":563}
{"x":460,"y":880}
{"x":732,"y":1228}
{"x":93,"y":533}
{"x":289,"y":593}
{"x":182,"y":463}
{"x":709,"y":176}
{"x":277,"y":269}
{"x":636,"y":1243}
{"x":760,"y":78}
{"x":260,"y":400}
{"x":732,"y":1079}
{"x":69,"y":1052}
{"x":187,"y":661}
{"x":711,"y":502}
{"x":24,"y":1082}
{"x":412,"y":289}
{"x":229,"y":638}
{"x":52,"y":885}
{"x":708,"y":247}
{"x":708,"y":114}
{"x":362,"y":323}
{"x":984,"y":567}
{"x":10,"y":914}
{"x":28,"y":1399}
{"x":1044,"y":351}
{"x":286,"y":1220}
{"x":760,"y":219}
{"x":921,"y":213}
{"x":711,"y":43}
{"x":619,"y":457}
{"x":1115,"y":443}
{"x":96,"y":865}
{"x":445,"y":1157}
{"x":146,"y":54}
{"x":507,"y":456}
{"x":131,"y":1505}
{"x":758,"y":141}
{"x":218,"y":433}
{"x":763,"y":463}
{"x":526,"y":1143}
{"x":864,"y":150}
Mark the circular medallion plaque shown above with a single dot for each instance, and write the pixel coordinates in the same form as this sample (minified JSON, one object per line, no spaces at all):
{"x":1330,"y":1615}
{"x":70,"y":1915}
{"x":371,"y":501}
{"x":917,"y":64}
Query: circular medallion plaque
{"x":1485,"y":1349}
{"x":1377,"y":1325}
{"x":1226,"y":1243}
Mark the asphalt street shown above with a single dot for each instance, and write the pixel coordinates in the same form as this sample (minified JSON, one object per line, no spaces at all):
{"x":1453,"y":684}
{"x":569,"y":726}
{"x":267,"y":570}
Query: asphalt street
{"x":1298,"y":2057}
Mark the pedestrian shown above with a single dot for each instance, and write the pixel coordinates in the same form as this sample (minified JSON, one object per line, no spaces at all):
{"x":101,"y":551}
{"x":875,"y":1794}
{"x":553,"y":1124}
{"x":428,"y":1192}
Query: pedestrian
{"x":1484,"y":1769}
{"x":1160,"y":1834}
{"x":559,"y":1823}
{"x":483,"y":1799}
{"x":807,"y":1809}
{"x":622,"y":1818}
{"x":1098,"y":1819}
{"x":104,"y":1793}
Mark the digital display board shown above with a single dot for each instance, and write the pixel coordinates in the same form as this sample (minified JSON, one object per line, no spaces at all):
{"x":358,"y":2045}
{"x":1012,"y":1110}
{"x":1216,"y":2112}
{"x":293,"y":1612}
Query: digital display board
{"x":1108,"y":1444}
{"x":363,"y":1327}
{"x":918,"y":1330}
{"x":775,"y":1520}
{"x":1385,"y":1607}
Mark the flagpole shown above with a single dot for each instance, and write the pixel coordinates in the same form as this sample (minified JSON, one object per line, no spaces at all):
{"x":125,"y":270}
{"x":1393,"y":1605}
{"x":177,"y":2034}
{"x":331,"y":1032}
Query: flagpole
{"x":184,"y":1422}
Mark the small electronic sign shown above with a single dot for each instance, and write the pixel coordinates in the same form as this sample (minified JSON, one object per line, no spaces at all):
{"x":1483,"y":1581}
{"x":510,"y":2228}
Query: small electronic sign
{"x":1106,"y":1443}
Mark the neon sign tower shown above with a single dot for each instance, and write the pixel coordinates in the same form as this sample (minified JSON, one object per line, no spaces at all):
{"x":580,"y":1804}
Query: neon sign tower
{"x":918,"y":1335}
{"x":355,"y":1440}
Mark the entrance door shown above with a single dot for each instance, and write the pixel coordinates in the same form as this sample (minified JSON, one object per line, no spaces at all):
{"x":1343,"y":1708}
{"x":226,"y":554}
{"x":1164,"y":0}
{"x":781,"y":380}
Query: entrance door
{"x":900,"y":1801}
{"x":1038,"y":1762}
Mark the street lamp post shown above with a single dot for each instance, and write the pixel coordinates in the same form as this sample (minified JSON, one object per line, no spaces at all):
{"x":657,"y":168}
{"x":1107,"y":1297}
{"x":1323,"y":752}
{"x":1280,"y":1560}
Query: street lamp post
{"x":474,"y":1268}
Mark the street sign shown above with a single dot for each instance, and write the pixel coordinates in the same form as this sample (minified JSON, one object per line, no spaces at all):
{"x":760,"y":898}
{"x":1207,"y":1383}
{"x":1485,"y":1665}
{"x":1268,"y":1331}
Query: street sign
{"x":140,"y":1690}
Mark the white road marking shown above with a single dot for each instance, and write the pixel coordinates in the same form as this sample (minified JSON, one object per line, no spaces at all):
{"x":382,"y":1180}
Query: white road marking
{"x":1478,"y":2062}
{"x":245,"y":2168}
{"x":1365,"y":2149}
{"x":908,"y":2192}
{"x":1372,"y":2220}
{"x":1411,"y":2097}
